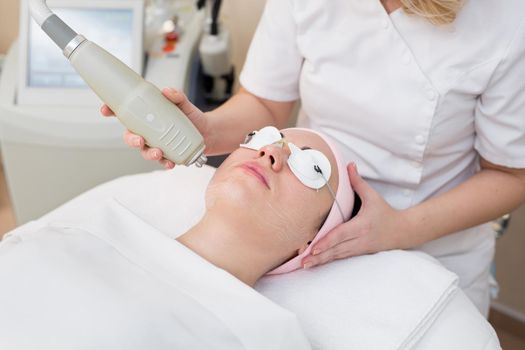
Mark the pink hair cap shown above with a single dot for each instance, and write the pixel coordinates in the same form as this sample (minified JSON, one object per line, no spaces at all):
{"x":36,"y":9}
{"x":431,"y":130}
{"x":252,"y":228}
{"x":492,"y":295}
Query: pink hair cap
{"x":344,"y":196}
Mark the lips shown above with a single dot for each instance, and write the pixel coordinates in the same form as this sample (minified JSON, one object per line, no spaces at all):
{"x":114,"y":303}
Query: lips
{"x":256,"y":171}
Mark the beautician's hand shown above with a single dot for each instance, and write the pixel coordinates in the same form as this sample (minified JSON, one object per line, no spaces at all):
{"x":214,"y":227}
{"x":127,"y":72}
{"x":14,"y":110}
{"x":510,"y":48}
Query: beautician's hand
{"x":196,"y":116}
{"x":377,"y":227}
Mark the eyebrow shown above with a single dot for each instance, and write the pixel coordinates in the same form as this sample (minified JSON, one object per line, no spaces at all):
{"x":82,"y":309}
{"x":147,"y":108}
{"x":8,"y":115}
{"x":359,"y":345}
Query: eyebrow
{"x":304,"y":148}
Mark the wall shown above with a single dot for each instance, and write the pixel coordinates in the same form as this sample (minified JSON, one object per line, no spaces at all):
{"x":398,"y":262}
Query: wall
{"x":241,"y":17}
{"x":8,"y":23}
{"x":510,"y":264}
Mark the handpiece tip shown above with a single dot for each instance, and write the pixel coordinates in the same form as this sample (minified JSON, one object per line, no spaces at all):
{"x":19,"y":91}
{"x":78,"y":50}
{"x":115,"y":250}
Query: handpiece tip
{"x":201,"y":161}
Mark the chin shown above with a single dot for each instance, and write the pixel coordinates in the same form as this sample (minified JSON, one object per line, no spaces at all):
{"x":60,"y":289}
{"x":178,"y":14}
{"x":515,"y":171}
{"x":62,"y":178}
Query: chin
{"x":234,"y":191}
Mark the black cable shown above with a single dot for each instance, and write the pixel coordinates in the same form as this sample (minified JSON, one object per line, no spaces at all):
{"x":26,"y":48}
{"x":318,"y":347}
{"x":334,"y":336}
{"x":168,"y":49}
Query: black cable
{"x":215,"y":17}
{"x":200,"y":4}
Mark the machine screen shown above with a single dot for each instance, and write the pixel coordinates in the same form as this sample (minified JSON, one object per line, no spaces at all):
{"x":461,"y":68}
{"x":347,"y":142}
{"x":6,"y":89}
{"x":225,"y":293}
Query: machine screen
{"x":112,"y":29}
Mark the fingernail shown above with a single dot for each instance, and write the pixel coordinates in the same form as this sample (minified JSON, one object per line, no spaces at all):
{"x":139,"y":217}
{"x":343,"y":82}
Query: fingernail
{"x":156,"y":154}
{"x":136,"y":141}
{"x":306,"y":266}
{"x":316,"y":252}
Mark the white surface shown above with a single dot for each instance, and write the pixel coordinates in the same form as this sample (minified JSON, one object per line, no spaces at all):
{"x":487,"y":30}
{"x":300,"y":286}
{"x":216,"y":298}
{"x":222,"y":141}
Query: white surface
{"x":156,"y":197}
{"x":215,"y":53}
{"x":381,"y":301}
{"x":115,"y":282}
{"x":459,"y":326}
{"x":62,"y":96}
{"x":39,"y":11}
{"x":410,"y":102}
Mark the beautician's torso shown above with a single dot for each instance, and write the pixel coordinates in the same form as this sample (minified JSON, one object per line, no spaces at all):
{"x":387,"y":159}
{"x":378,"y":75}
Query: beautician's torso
{"x":401,"y":95}
{"x":398,"y":93}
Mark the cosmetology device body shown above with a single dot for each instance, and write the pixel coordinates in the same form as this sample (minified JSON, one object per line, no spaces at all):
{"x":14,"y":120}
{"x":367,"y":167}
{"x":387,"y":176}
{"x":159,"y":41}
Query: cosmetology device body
{"x":138,"y":104}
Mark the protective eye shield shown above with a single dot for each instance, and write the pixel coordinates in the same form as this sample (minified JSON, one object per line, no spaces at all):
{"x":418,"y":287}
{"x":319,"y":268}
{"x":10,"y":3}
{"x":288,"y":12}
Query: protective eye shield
{"x":310,"y":166}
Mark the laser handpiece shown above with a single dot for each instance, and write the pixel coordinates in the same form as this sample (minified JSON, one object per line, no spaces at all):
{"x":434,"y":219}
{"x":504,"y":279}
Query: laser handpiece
{"x":138,"y":104}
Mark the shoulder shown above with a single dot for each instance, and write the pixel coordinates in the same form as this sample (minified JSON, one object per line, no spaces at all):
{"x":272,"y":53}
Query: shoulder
{"x":496,"y":16}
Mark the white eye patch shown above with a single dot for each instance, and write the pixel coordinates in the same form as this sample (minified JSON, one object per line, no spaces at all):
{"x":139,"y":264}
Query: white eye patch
{"x":264,"y":137}
{"x":310,"y":166}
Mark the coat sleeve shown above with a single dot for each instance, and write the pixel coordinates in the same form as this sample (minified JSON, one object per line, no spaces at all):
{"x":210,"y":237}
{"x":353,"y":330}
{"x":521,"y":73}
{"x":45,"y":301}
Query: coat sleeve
{"x":273,"y":64}
{"x":500,"y":111}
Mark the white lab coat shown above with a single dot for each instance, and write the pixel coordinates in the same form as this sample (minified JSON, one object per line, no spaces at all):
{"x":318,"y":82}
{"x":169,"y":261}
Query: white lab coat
{"x":413,"y":104}
{"x":115,"y":282}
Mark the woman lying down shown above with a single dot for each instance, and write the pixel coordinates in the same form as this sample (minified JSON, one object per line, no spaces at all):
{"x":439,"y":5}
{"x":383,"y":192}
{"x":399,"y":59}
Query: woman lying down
{"x":115,"y":282}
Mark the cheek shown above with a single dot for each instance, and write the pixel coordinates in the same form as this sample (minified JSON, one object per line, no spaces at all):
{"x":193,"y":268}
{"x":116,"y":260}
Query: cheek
{"x":227,"y":190}
{"x":297,"y":213}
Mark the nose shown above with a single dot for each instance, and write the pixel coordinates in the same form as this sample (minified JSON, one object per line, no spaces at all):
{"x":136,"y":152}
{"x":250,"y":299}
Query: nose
{"x":274,"y":155}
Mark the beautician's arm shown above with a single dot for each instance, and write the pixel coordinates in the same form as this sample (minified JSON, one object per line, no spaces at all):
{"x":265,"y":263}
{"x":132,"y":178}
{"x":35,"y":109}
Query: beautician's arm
{"x":242,"y":114}
{"x":492,"y":192}
{"x":223,"y":128}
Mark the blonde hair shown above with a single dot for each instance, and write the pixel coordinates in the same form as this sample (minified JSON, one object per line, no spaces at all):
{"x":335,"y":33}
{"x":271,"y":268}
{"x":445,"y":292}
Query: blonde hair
{"x":436,"y":11}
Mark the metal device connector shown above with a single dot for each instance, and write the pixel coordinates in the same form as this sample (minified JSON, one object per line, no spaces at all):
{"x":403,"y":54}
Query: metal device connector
{"x":201,"y":161}
{"x":72,"y":45}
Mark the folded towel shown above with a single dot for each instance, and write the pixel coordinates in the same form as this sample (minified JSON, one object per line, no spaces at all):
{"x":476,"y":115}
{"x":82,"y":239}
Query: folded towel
{"x":382,"y":301}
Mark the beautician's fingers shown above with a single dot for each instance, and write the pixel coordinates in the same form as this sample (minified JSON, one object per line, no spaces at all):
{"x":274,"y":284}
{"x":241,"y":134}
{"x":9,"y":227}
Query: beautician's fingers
{"x":167,"y":164}
{"x":134,"y":140}
{"x":106,"y":111}
{"x":181,"y":101}
{"x":377,"y":227}
{"x":353,"y":228}
{"x":344,"y":232}
{"x":148,"y":153}
{"x":195,"y":115}
{"x":151,"y":153}
{"x":343,"y":250}
{"x":360,"y":186}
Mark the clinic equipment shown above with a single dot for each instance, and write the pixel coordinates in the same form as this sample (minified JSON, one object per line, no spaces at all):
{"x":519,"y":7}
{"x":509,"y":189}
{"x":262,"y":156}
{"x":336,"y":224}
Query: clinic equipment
{"x":138,"y":104}
{"x":215,"y":55}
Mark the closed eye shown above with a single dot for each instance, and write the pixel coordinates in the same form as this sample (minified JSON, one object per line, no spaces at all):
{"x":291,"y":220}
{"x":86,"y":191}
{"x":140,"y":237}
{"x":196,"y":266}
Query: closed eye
{"x":305,"y":148}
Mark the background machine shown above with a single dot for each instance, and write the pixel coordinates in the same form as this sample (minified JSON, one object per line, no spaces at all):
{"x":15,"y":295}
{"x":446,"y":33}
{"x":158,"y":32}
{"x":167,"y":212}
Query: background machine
{"x":54,"y":142}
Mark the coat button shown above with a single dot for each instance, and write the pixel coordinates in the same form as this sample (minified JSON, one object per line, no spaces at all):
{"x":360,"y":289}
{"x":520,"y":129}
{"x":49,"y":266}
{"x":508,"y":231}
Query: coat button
{"x":420,"y":139}
{"x":385,"y":24}
{"x":407,"y":192}
{"x":406,"y":58}
{"x":416,"y":164}
{"x":431,"y":95}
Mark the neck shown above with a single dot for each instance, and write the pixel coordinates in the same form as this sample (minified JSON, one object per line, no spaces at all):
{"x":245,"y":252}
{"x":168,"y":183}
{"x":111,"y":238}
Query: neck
{"x":227,"y":245}
{"x":391,"y":5}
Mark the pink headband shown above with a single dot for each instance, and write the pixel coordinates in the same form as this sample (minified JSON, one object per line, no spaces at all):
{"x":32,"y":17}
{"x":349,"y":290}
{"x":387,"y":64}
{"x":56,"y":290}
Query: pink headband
{"x":345,"y":198}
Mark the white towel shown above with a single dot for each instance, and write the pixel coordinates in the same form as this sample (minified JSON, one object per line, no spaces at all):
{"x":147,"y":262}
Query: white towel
{"x":385,"y":300}
{"x":382,"y":301}
{"x":115,"y":282}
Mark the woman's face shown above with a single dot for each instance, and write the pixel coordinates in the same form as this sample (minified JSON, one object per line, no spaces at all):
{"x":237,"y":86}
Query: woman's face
{"x":258,"y":187}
